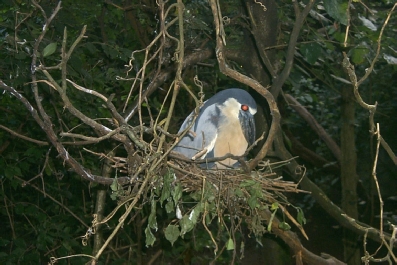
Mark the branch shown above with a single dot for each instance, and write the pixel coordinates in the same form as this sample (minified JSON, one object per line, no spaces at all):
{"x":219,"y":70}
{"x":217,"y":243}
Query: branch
{"x":301,"y":253}
{"x":220,"y":54}
{"x":191,"y":59}
{"x":300,"y":18}
{"x":332,"y":209}
{"x":23,"y":137}
{"x":302,"y":111}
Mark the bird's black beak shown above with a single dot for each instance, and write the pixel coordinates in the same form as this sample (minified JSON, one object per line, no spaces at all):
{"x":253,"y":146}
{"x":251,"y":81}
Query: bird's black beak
{"x":248,"y":126}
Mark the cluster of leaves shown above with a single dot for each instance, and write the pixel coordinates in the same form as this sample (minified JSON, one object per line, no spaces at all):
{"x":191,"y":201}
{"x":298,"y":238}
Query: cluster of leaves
{"x":38,"y":227}
{"x":317,"y":78}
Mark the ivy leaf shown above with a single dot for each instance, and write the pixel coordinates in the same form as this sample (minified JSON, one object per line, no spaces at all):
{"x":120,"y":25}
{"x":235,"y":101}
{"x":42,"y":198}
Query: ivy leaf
{"x":301,"y":217}
{"x":230,"y":244}
{"x":169,"y":206}
{"x":50,"y":49}
{"x":239,"y":193}
{"x":150,"y":239}
{"x":358,"y":54}
{"x":311,"y":51}
{"x":274,"y":206}
{"x":166,"y":191}
{"x":186,"y":225}
{"x":247,"y":183}
{"x":252,"y":202}
{"x":176,"y":193}
{"x":337,"y":10}
{"x":152,"y":222}
{"x":172,"y":233}
{"x":195,"y":213}
{"x":284,"y":226}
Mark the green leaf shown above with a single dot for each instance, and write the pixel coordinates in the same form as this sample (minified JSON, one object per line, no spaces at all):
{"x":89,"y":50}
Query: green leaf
{"x":172,"y":233}
{"x":186,"y":225}
{"x":311,"y":51}
{"x":195,"y":213}
{"x":169,"y":206}
{"x":337,"y":10}
{"x":166,"y":191}
{"x":152,"y":222}
{"x":252,"y":202}
{"x":176,"y":193}
{"x":50,"y":49}
{"x":239,"y":193}
{"x":284,"y":226}
{"x":230,"y":244}
{"x":274,"y":206}
{"x":301,"y":217}
{"x":247,"y":183}
{"x":4,"y":242}
{"x":358,"y":54}
{"x":150,"y":239}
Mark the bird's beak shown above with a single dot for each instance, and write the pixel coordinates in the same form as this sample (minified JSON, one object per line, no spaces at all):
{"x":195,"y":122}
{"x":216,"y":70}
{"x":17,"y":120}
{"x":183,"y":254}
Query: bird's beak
{"x":248,"y":125}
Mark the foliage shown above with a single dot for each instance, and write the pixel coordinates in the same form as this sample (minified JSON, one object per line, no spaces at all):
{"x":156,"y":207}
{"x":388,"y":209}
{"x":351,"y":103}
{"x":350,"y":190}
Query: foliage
{"x":47,"y":207}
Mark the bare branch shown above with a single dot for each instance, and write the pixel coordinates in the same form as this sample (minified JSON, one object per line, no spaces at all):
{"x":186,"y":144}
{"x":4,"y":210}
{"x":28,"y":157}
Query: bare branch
{"x":302,"y":111}
{"x":220,"y":54}
{"x":300,"y":18}
{"x":23,"y":137}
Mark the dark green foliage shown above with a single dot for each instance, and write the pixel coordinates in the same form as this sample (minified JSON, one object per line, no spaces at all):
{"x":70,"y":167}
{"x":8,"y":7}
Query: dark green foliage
{"x":39,"y":192}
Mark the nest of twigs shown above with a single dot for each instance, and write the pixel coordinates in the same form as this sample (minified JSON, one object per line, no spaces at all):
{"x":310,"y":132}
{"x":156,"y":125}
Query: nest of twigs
{"x":240,"y":194}
{"x":253,"y":198}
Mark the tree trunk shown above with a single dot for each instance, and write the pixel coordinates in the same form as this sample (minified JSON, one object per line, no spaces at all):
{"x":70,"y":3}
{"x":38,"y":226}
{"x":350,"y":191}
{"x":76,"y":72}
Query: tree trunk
{"x":348,"y":174}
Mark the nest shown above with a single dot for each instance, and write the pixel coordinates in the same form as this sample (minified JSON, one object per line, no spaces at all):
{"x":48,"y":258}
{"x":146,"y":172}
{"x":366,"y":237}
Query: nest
{"x":240,"y":195}
{"x":231,"y":196}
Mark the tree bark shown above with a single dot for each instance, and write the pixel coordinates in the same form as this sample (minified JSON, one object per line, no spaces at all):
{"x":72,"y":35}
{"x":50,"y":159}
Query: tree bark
{"x":349,"y":177}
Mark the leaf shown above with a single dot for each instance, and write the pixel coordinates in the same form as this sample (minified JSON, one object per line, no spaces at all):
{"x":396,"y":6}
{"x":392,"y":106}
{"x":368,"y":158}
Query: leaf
{"x":186,"y":225}
{"x":172,"y":233}
{"x":169,"y":206}
{"x":195,"y":213}
{"x":50,"y":49}
{"x":252,"y":202}
{"x":176,"y":193}
{"x":358,"y":54}
{"x":337,"y":10}
{"x":284,"y":226}
{"x":301,"y":217}
{"x":152,"y":222}
{"x":166,"y":191}
{"x":247,"y":183}
{"x":274,"y":206}
{"x":230,"y":244}
{"x":150,"y":239}
{"x":239,"y":193}
{"x":311,"y":51}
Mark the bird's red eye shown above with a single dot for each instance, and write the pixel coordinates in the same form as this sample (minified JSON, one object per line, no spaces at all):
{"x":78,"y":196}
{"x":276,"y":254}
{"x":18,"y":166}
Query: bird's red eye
{"x":244,"y":107}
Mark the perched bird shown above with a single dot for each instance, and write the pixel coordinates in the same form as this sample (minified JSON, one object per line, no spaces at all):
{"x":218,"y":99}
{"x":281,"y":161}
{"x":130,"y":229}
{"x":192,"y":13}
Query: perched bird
{"x":225,"y":124}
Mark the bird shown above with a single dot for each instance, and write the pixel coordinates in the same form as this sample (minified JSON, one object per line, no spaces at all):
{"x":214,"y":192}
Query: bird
{"x":224,"y":124}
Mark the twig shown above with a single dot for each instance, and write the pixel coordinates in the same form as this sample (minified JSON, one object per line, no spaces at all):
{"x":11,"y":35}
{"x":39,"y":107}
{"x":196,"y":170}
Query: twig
{"x":89,"y":91}
{"x":220,"y":54}
{"x":23,"y":137}
{"x":53,"y":199}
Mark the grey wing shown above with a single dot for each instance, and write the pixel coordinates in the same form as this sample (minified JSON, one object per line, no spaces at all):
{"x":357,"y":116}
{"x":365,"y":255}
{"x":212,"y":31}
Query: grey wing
{"x":202,"y":134}
{"x":188,"y":145}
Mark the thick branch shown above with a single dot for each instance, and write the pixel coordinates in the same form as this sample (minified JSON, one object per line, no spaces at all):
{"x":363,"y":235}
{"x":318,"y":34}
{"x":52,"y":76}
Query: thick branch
{"x":332,"y":209}
{"x":302,"y":111}
{"x":301,"y":253}
{"x":300,"y":18}
{"x":245,"y":80}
